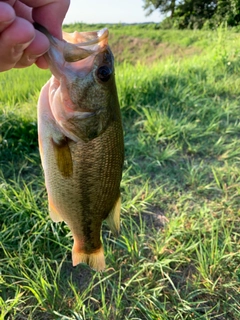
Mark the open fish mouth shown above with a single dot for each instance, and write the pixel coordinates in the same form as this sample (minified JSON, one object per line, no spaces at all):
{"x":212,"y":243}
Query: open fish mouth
{"x":89,"y":38}
{"x":82,"y":44}
{"x":76,"y":51}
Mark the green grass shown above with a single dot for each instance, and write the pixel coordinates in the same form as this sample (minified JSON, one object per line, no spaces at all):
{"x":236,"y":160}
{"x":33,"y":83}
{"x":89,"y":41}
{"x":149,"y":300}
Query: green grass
{"x":178,"y":255}
{"x":148,"y":44}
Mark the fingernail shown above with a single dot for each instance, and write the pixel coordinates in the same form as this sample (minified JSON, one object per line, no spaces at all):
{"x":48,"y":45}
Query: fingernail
{"x":4,"y":23}
{"x":35,"y":56}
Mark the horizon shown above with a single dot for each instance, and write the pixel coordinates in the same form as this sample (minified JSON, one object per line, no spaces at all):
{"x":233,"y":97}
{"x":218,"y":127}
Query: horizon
{"x":109,"y":11}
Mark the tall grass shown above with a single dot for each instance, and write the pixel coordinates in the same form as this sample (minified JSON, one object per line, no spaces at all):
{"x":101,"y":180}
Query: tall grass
{"x":178,"y":255}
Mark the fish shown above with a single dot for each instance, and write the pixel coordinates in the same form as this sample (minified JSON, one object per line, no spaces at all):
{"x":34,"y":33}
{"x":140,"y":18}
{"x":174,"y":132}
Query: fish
{"x":81,"y":141}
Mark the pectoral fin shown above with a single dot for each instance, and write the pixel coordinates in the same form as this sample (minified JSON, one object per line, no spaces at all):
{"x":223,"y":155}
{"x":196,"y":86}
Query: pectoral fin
{"x":113,"y":219}
{"x":63,"y":157}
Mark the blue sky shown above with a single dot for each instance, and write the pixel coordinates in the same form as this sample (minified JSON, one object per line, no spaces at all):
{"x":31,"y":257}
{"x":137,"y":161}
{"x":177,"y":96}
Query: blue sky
{"x":112,"y":11}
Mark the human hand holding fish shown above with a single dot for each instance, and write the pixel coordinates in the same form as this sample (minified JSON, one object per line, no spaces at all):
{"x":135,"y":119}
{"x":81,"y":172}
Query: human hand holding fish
{"x":20,"y":44}
{"x":79,"y":121}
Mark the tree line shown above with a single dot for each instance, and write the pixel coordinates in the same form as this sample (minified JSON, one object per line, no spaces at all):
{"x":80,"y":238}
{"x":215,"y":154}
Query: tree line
{"x":195,"y":13}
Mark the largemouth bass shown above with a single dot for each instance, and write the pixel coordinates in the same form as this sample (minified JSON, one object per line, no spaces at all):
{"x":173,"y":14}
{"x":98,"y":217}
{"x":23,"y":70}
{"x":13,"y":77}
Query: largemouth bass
{"x":81,"y":140}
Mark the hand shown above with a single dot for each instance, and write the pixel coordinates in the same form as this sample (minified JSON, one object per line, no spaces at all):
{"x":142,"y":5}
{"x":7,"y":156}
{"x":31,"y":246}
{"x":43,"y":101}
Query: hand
{"x":20,"y":44}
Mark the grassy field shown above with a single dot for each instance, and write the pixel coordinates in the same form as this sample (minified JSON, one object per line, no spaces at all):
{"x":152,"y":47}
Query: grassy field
{"x":178,"y":255}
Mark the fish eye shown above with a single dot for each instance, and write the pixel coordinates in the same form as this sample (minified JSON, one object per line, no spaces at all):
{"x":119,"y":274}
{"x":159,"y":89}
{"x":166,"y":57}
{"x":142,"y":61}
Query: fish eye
{"x":104,"y":73}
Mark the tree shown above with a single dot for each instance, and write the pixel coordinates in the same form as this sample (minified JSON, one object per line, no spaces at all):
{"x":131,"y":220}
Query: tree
{"x":194,"y":13}
{"x":229,"y":10}
{"x":198,"y":8}
{"x":165,"y":6}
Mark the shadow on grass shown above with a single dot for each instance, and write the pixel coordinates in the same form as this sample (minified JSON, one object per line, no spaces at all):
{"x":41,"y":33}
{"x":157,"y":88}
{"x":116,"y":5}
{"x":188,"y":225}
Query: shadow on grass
{"x":174,"y":121}
{"x":18,"y":147}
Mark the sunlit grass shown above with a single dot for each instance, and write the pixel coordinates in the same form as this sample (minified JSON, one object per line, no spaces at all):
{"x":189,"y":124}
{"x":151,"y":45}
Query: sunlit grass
{"x":20,"y":86}
{"x":178,"y":255}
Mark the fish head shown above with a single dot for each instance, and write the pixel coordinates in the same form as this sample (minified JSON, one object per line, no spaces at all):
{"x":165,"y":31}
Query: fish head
{"x":83,"y":95}
{"x":90,"y":83}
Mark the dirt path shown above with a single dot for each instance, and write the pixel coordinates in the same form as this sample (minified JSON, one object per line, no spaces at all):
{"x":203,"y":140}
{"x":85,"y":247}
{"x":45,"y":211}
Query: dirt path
{"x":147,"y":51}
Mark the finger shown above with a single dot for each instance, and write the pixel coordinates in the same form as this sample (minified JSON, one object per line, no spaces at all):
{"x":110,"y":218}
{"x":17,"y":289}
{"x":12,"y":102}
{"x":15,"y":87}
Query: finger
{"x":42,"y":63}
{"x":13,"y":41}
{"x":20,"y":31}
{"x":7,"y":15}
{"x":10,"y":2}
{"x":36,"y":49}
{"x":23,"y":11}
{"x":49,"y":13}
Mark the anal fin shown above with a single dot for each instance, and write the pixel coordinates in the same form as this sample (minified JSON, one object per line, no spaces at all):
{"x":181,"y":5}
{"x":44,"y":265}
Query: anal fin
{"x":113,"y":218}
{"x":55,"y":216}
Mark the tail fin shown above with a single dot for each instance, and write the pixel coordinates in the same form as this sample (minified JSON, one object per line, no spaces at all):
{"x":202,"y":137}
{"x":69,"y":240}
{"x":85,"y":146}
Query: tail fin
{"x":113,"y":219}
{"x":95,"y":260}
